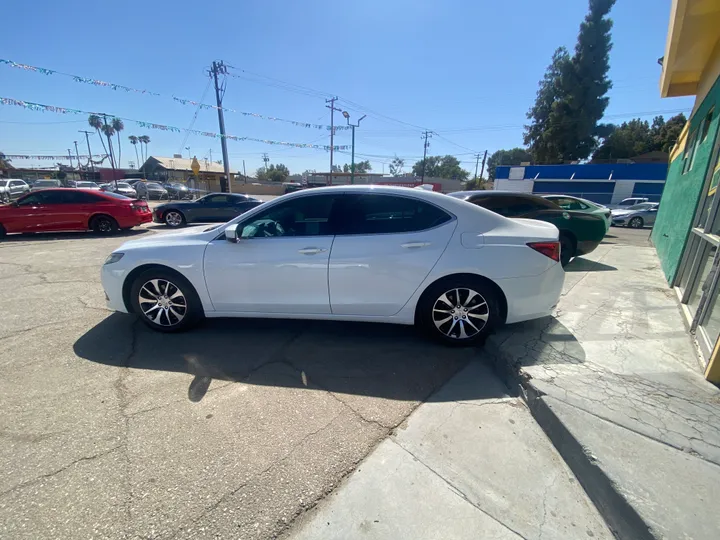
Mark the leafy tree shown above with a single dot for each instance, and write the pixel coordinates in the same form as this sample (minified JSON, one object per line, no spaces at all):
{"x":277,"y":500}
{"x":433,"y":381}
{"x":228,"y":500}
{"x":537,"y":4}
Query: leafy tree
{"x":441,"y":167}
{"x":273,"y":173}
{"x":514,"y":156}
{"x":360,"y":167}
{"x":572,"y":98}
{"x":396,"y":166}
{"x":636,"y":137}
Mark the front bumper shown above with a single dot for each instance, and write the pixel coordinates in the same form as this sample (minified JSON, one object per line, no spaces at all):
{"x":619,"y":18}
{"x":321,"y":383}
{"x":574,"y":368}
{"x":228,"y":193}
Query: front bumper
{"x":112,"y":278}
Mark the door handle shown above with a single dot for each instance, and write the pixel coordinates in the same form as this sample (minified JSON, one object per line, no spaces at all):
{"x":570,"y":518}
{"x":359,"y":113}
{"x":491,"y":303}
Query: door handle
{"x":412,"y":245}
{"x":311,"y":250}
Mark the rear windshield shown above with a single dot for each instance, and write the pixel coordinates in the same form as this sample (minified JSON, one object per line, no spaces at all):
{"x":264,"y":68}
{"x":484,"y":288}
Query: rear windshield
{"x":116,"y":195}
{"x":46,"y":183}
{"x":155,"y":186}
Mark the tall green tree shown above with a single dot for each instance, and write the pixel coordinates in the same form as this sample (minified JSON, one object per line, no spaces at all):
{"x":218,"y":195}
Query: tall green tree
{"x":514,"y":156}
{"x":572,"y":97}
{"x":637,"y":136}
{"x":96,"y":123}
{"x":396,"y":166}
{"x":273,"y":173}
{"x":441,"y":167}
{"x":118,"y":126}
{"x":360,"y":167}
{"x":134,"y":141}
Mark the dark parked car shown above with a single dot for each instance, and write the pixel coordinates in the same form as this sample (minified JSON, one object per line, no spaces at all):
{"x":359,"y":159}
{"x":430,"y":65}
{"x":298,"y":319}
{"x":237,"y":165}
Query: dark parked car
{"x":213,"y":207}
{"x":176,"y":190}
{"x":150,"y":191}
{"x":580,"y":232}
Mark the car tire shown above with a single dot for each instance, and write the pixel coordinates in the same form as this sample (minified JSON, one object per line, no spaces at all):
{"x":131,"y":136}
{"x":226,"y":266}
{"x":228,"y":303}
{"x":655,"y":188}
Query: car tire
{"x":174,"y":219}
{"x":104,"y":225}
{"x":636,"y":223}
{"x":458,"y":311}
{"x":3,"y":232}
{"x":165,"y":301}
{"x":567,"y":249}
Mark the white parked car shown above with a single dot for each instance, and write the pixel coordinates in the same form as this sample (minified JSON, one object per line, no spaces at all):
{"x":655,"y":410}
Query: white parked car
{"x":351,"y":253}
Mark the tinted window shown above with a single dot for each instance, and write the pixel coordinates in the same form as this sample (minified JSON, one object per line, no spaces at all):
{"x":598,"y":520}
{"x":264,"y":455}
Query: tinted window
{"x":305,"y":216}
{"x":569,"y":204}
{"x":41,"y":197}
{"x":116,"y":195}
{"x":217,"y":199}
{"x":387,"y":214}
{"x":3,"y":183}
{"x":514,"y":206}
{"x":16,"y":183}
{"x":78,"y":197}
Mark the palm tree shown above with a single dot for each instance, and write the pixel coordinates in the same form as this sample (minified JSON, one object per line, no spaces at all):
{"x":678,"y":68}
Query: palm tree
{"x":145,"y":140}
{"x":118,"y":126}
{"x":109,"y":131}
{"x":96,"y":122}
{"x":134,"y":141}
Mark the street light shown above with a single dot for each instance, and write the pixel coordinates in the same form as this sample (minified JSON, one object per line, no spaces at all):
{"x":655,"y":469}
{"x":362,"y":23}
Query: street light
{"x":352,"y":161}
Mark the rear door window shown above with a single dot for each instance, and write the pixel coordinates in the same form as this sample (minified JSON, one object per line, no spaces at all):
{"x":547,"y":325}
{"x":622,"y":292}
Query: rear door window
{"x":388,"y":214}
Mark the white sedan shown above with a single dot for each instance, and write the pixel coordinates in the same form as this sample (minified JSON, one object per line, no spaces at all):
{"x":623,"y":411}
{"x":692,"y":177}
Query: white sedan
{"x":350,"y":253}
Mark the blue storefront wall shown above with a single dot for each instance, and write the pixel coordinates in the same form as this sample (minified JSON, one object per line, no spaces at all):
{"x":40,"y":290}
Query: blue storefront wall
{"x":652,"y":190}
{"x":590,"y":171}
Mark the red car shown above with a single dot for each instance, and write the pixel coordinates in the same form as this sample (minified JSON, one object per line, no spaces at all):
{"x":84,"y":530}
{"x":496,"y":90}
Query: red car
{"x":72,"y":210}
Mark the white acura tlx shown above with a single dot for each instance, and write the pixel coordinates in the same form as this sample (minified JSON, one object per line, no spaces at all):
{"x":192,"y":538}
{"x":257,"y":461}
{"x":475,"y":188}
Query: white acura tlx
{"x":349,"y":253}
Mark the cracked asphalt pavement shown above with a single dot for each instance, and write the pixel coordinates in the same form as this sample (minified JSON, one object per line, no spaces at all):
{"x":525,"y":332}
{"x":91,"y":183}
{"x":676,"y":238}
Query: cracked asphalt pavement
{"x":110,"y":430}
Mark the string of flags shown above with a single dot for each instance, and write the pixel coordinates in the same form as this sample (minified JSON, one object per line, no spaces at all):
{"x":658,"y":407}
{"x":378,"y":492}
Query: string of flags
{"x":51,"y":158}
{"x":105,"y":84}
{"x":149,"y":125}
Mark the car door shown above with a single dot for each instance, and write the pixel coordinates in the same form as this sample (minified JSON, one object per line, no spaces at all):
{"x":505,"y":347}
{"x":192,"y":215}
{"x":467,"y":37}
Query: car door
{"x":385,"y":248}
{"x":279,"y":263}
{"x":43,"y":211}
{"x":78,"y":206}
{"x":212,"y":208}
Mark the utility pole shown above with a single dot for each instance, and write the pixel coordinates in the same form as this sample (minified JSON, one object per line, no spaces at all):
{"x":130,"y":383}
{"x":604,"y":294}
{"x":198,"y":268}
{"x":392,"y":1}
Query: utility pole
{"x":87,"y":139}
{"x":426,"y":145}
{"x":353,"y":126}
{"x":77,"y":153}
{"x":266,"y":160}
{"x":332,"y":129}
{"x":219,"y":67}
{"x":244,"y":173}
{"x":477,"y":162}
{"x":482,"y":169}
{"x":70,"y":157}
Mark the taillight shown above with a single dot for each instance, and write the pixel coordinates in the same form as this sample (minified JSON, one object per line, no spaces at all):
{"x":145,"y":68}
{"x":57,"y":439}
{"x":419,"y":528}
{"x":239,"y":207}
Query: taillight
{"x":549,"y":249}
{"x":139,"y":207}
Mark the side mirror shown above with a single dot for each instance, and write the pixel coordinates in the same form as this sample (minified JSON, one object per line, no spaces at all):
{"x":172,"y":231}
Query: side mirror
{"x":231,"y":233}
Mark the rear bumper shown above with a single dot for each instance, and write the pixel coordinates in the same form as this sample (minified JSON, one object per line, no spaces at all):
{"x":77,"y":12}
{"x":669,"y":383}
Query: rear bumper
{"x":533,"y":297}
{"x":125,"y":222}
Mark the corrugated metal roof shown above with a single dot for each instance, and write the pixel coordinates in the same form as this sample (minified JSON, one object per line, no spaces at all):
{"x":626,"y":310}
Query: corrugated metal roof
{"x":184,"y":164}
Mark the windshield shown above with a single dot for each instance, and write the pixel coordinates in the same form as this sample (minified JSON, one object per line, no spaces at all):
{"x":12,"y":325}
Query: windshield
{"x":154,"y":186}
{"x":123,"y":185}
{"x":642,"y":206}
{"x":86,"y":185}
{"x":46,"y":183}
{"x":117,"y":196}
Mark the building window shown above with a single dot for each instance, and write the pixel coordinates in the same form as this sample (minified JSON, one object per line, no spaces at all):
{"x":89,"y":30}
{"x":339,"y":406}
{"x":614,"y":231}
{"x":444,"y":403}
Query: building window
{"x":706,"y":123}
{"x":690,"y":148}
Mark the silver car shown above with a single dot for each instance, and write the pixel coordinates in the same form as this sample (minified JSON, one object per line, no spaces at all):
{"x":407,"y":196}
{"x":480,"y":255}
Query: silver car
{"x":637,"y":216}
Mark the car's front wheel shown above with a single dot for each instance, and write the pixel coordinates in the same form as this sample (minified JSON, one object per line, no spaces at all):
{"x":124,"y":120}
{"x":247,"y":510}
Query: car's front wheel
{"x":459,"y":311}
{"x":636,"y":223}
{"x":165,"y":301}
{"x":174,"y":219}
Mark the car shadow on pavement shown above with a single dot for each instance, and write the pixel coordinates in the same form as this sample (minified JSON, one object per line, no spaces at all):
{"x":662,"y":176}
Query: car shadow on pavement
{"x":543,"y":341}
{"x":46,"y":236}
{"x":578,"y":264}
{"x":387,"y":361}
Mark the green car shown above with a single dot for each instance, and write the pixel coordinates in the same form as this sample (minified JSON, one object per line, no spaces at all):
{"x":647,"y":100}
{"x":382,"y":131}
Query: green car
{"x":568,"y":202}
{"x":580,"y":232}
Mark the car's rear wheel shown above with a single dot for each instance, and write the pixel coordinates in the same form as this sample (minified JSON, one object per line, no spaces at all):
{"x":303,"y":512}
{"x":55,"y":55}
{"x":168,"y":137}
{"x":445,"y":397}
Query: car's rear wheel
{"x":165,"y":301}
{"x":636,"y":223}
{"x":567,"y":249}
{"x":174,"y":219}
{"x":103,"y":225}
{"x":459,"y":311}
{"x":3,"y":232}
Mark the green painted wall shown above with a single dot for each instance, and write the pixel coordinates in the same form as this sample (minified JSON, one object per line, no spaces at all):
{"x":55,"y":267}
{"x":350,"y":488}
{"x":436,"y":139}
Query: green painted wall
{"x":683,"y":191}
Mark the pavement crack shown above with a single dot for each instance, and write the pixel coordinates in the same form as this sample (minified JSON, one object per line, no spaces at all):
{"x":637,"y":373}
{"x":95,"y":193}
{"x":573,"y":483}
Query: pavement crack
{"x":457,"y":491}
{"x":60,"y":470}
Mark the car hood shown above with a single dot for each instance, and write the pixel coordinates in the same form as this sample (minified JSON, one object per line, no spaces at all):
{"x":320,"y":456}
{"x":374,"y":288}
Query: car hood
{"x":618,"y":213}
{"x":186,"y":236}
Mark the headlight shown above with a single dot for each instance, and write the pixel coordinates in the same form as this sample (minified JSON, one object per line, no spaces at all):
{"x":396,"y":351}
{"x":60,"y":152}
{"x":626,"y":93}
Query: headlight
{"x":113,"y":258}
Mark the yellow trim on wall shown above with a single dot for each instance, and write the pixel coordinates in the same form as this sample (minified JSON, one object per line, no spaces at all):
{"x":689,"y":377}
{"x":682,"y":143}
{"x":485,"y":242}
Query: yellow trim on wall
{"x":712,"y":371}
{"x":679,"y":147}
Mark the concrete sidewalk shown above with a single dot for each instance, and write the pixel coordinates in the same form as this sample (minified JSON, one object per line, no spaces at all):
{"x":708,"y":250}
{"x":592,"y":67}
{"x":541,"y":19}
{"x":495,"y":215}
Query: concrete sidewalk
{"x":471,"y":463}
{"x":614,"y":380}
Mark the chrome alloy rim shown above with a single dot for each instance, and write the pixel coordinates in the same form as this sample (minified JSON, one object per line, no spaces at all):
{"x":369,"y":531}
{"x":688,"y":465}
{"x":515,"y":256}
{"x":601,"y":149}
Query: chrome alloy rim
{"x":173,"y":218}
{"x":460,"y":313}
{"x":162,"y":302}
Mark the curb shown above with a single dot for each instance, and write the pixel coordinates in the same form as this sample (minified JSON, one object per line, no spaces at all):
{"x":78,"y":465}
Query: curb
{"x":619,"y":515}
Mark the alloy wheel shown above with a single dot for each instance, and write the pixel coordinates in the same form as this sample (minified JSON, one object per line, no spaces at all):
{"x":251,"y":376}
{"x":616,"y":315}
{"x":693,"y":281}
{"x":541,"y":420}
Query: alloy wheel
{"x":460,"y":313}
{"x":162,"y":302}
{"x":104,"y":225}
{"x":636,"y":223}
{"x":174,"y":219}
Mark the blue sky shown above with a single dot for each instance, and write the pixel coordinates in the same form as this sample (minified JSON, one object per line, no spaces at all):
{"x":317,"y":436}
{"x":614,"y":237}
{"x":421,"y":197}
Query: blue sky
{"x":467,"y":69}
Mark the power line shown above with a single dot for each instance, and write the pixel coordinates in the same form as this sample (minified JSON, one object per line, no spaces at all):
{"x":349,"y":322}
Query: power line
{"x":192,"y":123}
